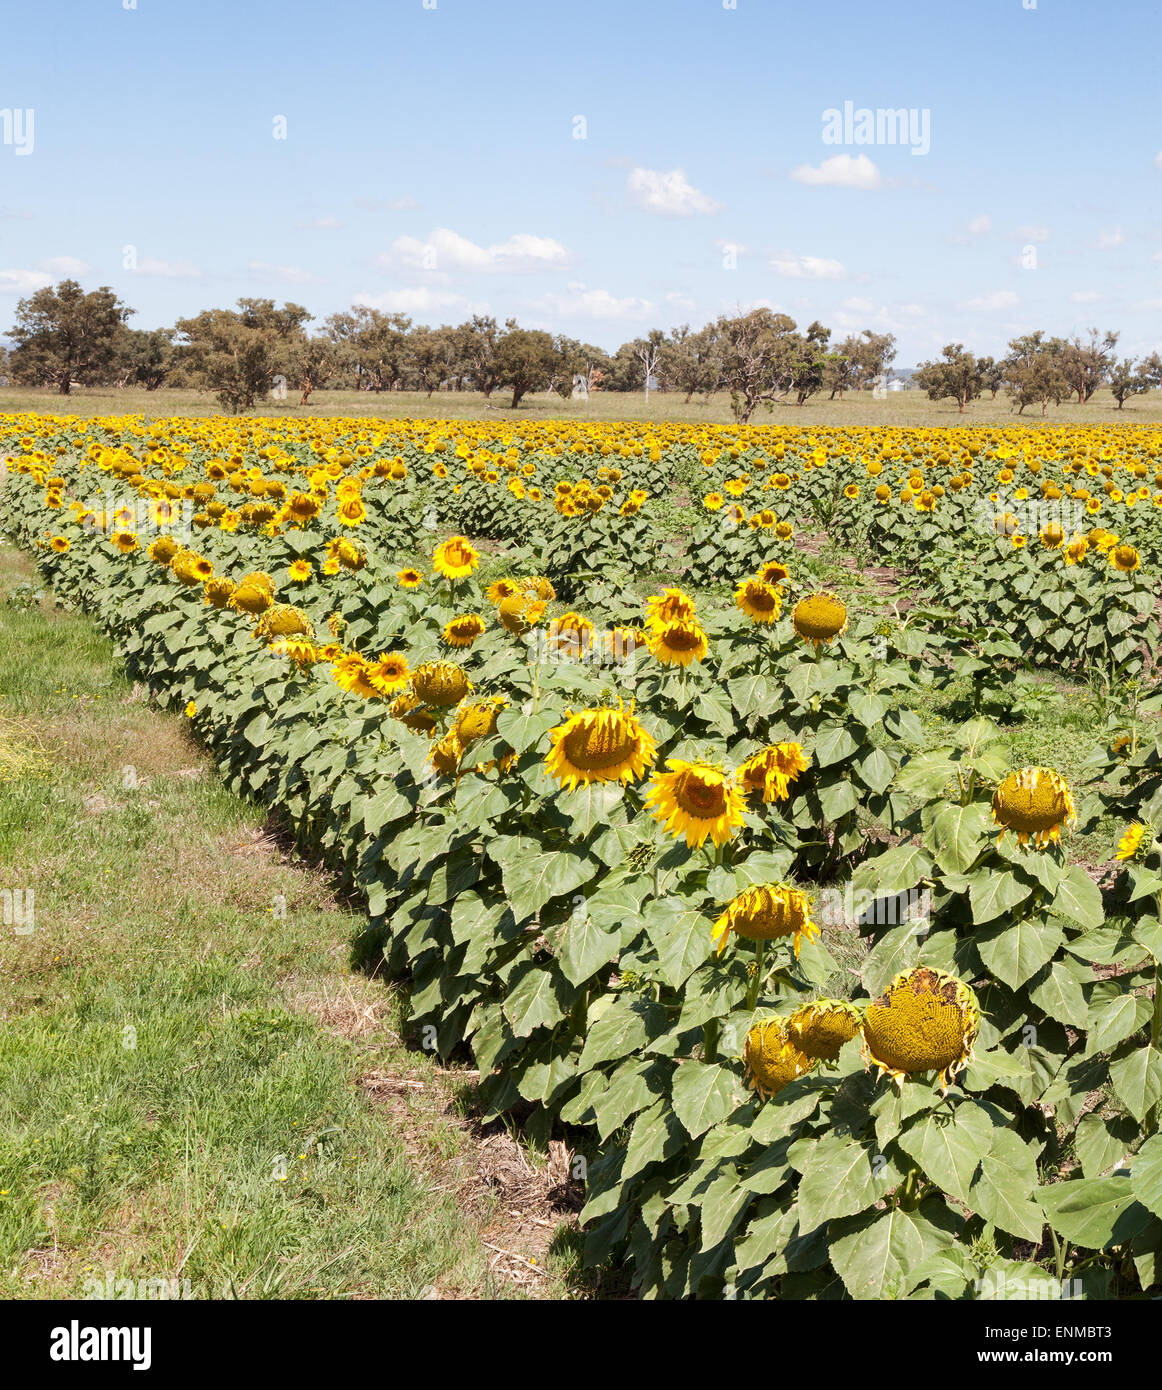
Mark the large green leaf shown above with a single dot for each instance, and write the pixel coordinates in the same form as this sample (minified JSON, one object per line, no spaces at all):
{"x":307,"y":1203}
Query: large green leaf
{"x":874,"y":1252}
{"x":842,"y":1177}
{"x":958,"y":835}
{"x":1147,"y":1174}
{"x":1003,"y":1192}
{"x":1137,"y":1079}
{"x":704,"y":1094}
{"x":533,"y":874}
{"x":995,"y":892}
{"x":1095,"y":1212}
{"x":949,"y":1149}
{"x":681,"y":936}
{"x":1079,"y":898}
{"x":1015,"y":953}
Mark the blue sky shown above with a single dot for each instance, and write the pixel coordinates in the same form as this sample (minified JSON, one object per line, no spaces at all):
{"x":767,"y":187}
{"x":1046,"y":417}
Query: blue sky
{"x":431,"y":163}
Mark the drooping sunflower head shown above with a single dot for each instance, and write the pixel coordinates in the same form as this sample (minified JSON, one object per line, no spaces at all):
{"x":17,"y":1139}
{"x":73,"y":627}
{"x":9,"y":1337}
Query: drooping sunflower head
{"x":773,"y":572}
{"x":772,"y":1059}
{"x":1124,"y":558}
{"x":300,"y":650}
{"x":820,"y":1029}
{"x":1036,"y":803}
{"x":571,"y":633}
{"x":767,"y":912}
{"x":163,"y":549}
{"x":820,"y":618}
{"x":350,"y":674}
{"x":924,"y":1021}
{"x":408,"y":710}
{"x":599,"y":745}
{"x":455,"y":558}
{"x":440,"y":683}
{"x":502,"y":589}
{"x":284,"y":620}
{"x":445,"y":754}
{"x":677,"y":643}
{"x":477,"y":719}
{"x":462,"y":631}
{"x":1052,"y":535}
{"x":219,"y":592}
{"x":771,"y":771}
{"x":761,"y":602}
{"x":1076,"y":550}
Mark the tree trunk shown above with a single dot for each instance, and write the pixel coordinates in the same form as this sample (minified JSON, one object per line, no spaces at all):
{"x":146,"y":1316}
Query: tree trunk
{"x":65,"y":384}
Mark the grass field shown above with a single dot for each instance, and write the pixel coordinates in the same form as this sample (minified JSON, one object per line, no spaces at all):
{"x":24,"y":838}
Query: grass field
{"x":196,"y":1086}
{"x":899,"y":409}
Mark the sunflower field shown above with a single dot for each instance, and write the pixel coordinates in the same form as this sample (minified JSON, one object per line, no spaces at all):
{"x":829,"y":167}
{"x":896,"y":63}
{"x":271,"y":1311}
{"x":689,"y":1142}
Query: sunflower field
{"x":651,"y":822}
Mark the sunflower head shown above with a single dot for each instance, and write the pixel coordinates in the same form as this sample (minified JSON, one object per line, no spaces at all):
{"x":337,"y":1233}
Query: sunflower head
{"x":772,"y":1059}
{"x":408,"y":710}
{"x":761,"y":602}
{"x":388,"y":672}
{"x":599,"y":745}
{"x":820,"y":1029}
{"x":1124,"y":558}
{"x":477,"y":719}
{"x":284,"y":620}
{"x":409,"y":578}
{"x":462,"y":631}
{"x":924,"y":1021}
{"x":677,"y":643}
{"x":819,"y":618}
{"x":672,"y":605}
{"x":767,"y":912}
{"x":440,"y":683}
{"x":445,"y":754}
{"x":1036,"y":803}
{"x":219,"y":592}
{"x":455,"y":558}
{"x":1135,"y":842}
{"x":771,"y":771}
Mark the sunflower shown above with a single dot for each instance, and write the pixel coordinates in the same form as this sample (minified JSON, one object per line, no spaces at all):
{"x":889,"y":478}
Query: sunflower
{"x":851,"y":491}
{"x":477,"y":719}
{"x":677,"y":643}
{"x":284,"y":620}
{"x":764,"y":913}
{"x":124,"y":541}
{"x":409,"y":578}
{"x":299,"y":571}
{"x":440,"y":683}
{"x":1076,"y":550}
{"x":713,"y":501}
{"x":445,"y":754}
{"x":784,"y":530}
{"x":464,"y":630}
{"x":350,"y":674}
{"x":1036,"y":803}
{"x":60,"y":544}
{"x":219,"y":591}
{"x":163,"y":550}
{"x":387,"y":672}
{"x":696,"y":799}
{"x":820,"y":1029}
{"x":502,"y":589}
{"x":819,"y":618}
{"x":773,"y":572}
{"x":771,"y":770}
{"x":455,"y":558}
{"x":762,"y":602}
{"x":924,"y":1021}
{"x":1052,"y":535}
{"x":772,"y":1060}
{"x":300,"y":650}
{"x":672,"y":605}
{"x":599,"y":745}
{"x":1131,"y":842}
{"x":408,"y":710}
{"x":570,"y":633}
{"x":1124,"y":558}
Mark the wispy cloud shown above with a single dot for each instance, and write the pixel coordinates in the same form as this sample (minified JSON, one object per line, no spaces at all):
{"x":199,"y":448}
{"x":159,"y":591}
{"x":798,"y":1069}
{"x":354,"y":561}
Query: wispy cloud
{"x":669,"y":194}
{"x":445,"y":250}
{"x":840,"y":171}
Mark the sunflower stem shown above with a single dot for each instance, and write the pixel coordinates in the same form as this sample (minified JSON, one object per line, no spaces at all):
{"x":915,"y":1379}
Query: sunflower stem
{"x":752,"y":993}
{"x":710,"y":1035}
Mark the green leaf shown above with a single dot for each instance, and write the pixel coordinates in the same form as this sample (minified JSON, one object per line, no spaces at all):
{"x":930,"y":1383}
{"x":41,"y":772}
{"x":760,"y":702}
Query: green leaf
{"x":873,"y":1253}
{"x":994,"y":892}
{"x":1103,"y":1142}
{"x":1146,"y":1174}
{"x":681,"y":936}
{"x":523,"y":731}
{"x":841,"y":1177}
{"x":585,"y":947}
{"x":533,"y":874}
{"x":1015,"y":953}
{"x":1095,"y":1212}
{"x":1002,"y":1193}
{"x":834,"y":745}
{"x":958,"y":835}
{"x":1058,"y":992}
{"x":1114,"y":1021}
{"x":1137,"y":1080}
{"x":950,"y":1149}
{"x":539,"y":999}
{"x":704,"y":1094}
{"x":1079,"y":899}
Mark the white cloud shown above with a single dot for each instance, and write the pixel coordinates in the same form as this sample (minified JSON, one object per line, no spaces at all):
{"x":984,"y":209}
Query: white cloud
{"x":806,"y":267}
{"x":1034,"y":233}
{"x":1109,"y":237}
{"x":65,"y":267}
{"x":858,"y":306}
{"x":978,"y":227}
{"x":418,"y":299}
{"x":995,"y":299}
{"x":291,"y":274}
{"x":840,"y":171}
{"x":23,"y":281}
{"x":679,"y":300}
{"x":582,"y":302}
{"x":446,"y":250}
{"x":167,"y":270}
{"x":670,"y":193}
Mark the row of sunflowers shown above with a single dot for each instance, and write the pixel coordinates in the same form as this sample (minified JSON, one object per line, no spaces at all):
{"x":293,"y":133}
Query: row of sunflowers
{"x":825,"y":1003}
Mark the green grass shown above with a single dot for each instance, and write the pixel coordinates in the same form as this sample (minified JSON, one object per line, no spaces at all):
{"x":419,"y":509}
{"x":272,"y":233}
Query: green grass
{"x":196,"y":1086}
{"x":898,"y":410}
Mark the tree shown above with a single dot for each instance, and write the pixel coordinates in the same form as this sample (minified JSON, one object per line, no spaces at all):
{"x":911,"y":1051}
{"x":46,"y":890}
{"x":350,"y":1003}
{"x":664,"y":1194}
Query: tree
{"x":1086,"y":365}
{"x":373,"y":343}
{"x":238,"y":354}
{"x":426,"y":359}
{"x":809,"y":359}
{"x":1033,"y":371}
{"x":312,"y":360}
{"x":648,"y":352}
{"x":955,"y":374}
{"x":526,"y":359}
{"x":143,"y":357}
{"x":840,"y":373}
{"x":756,"y":352}
{"x":64,"y":335}
{"x":992,"y":375}
{"x":688,"y":362}
{"x":1132,"y":378}
{"x":482,"y":335}
{"x":870,"y":355}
